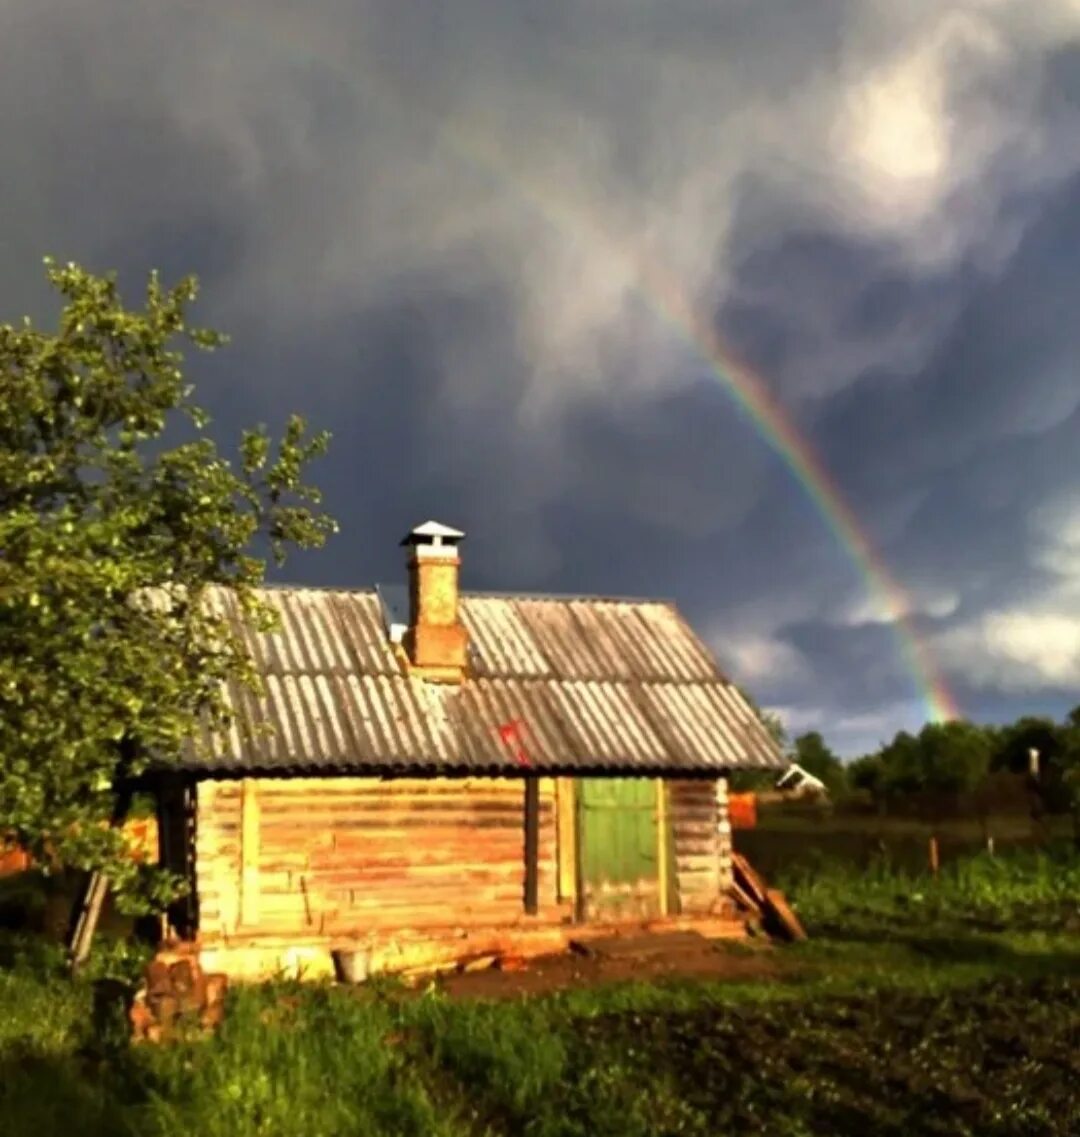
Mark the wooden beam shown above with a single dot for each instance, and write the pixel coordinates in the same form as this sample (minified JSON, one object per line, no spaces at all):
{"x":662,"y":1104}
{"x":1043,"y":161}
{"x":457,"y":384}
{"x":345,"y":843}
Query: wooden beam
{"x":532,"y":844}
{"x":566,"y":838}
{"x":90,"y":903}
{"x":663,"y":865}
{"x":249,"y":854}
{"x":86,"y":920}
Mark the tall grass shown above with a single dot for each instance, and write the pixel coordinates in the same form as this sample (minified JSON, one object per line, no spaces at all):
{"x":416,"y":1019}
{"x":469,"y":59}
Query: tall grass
{"x":1025,"y":890}
{"x":320,"y":1062}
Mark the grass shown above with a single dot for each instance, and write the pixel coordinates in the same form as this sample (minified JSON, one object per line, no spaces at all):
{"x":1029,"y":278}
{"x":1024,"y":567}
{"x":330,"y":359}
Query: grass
{"x":1030,"y":889}
{"x":791,"y":836}
{"x":902,"y":1016}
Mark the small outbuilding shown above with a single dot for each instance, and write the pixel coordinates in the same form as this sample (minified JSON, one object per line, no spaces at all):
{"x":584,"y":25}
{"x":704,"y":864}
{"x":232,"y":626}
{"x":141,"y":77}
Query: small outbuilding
{"x":797,"y":782}
{"x":431,"y":774}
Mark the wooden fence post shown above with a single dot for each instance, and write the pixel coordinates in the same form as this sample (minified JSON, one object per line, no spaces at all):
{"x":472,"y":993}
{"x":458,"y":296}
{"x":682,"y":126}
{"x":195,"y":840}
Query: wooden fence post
{"x":532,"y":844}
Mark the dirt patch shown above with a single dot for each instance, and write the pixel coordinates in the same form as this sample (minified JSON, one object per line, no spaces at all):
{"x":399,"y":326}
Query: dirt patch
{"x":571,"y":969}
{"x":998,"y":1058}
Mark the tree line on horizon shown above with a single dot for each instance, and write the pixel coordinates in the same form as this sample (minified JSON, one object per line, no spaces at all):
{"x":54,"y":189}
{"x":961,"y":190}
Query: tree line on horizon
{"x":956,"y":759}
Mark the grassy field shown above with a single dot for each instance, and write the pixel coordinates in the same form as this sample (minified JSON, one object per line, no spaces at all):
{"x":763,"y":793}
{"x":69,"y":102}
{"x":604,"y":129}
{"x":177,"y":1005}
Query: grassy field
{"x":944,"y":1006}
{"x":791,"y":835}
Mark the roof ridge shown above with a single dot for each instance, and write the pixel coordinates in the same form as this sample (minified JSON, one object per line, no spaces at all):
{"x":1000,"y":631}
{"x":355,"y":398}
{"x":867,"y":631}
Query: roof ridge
{"x":472,"y":593}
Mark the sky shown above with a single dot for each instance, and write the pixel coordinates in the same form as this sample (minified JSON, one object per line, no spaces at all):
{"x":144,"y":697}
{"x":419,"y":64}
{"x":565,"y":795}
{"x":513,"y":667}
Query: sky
{"x":438,"y":230}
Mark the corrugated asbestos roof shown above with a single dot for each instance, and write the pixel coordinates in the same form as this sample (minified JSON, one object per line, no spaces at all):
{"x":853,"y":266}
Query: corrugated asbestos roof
{"x":595,"y":685}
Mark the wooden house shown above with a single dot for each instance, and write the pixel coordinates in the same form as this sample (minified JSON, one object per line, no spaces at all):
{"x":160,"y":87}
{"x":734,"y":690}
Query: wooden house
{"x":472,"y":771}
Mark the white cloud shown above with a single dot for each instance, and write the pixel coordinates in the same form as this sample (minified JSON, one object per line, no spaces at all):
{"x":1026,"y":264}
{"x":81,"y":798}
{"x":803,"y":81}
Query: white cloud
{"x":1016,"y":650}
{"x":757,"y":659}
{"x":868,"y":608}
{"x":1033,"y":641}
{"x":1055,"y":532}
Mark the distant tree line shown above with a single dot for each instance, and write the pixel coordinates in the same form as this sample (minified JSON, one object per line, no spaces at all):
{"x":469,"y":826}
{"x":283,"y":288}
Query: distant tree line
{"x":958,"y":760}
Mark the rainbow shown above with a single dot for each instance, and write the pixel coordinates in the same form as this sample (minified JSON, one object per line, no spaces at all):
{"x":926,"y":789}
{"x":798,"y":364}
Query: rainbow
{"x":668,"y":300}
{"x":666,"y":297}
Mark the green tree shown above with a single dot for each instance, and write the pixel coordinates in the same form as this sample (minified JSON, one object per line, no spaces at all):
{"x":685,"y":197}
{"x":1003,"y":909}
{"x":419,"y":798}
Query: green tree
{"x":1014,"y":742}
{"x":1067,"y":762}
{"x":901,"y":766}
{"x":117,"y":512}
{"x":867,"y":773}
{"x":955,"y":756}
{"x":944,"y":758}
{"x":816,"y":758}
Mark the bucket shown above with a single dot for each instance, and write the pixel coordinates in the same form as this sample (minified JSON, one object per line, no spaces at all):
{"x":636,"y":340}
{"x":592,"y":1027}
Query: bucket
{"x":351,"y":966}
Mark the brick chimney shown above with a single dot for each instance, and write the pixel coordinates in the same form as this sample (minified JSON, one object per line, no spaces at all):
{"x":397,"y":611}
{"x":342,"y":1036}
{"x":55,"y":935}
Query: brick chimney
{"x":436,"y":641}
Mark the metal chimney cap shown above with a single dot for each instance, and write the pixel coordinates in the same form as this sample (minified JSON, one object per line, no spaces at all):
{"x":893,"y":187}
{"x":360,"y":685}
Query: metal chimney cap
{"x":433,"y":533}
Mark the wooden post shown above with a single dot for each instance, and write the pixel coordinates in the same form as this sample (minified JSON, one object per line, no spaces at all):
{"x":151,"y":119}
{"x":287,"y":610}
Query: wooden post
{"x":249,"y":853}
{"x":532,"y":844}
{"x":86,"y":921}
{"x":581,"y":886}
{"x":88,"y":908}
{"x":663,"y":866}
{"x":566,"y":836}
{"x":990,"y":845}
{"x":934,"y":855}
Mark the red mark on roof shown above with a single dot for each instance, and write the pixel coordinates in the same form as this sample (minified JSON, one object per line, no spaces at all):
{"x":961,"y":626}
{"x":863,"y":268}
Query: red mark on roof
{"x":510,"y":734}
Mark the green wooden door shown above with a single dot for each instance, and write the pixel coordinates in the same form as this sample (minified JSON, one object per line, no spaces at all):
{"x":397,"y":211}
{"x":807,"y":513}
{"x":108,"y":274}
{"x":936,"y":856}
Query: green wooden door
{"x":618,"y":835}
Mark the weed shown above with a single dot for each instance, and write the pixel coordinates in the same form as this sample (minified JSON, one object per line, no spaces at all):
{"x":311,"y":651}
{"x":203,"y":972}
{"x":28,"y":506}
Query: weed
{"x":910,"y":1010}
{"x":1029,"y":889}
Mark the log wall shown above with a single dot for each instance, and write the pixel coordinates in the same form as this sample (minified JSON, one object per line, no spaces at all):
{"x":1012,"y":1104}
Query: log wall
{"x":694,"y":821}
{"x":339,"y":858}
{"x":723,"y":829}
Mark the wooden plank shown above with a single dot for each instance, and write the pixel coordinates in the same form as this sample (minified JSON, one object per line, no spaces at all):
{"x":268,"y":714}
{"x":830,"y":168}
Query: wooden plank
{"x":778,"y":908}
{"x":303,"y":815}
{"x":448,"y":881}
{"x":566,"y":839}
{"x":532,"y":832}
{"x":663,"y":866}
{"x":249,"y":854}
{"x":87,"y":911}
{"x":393,"y":789}
{"x":746,"y":875}
{"x":750,"y":903}
{"x":88,"y":917}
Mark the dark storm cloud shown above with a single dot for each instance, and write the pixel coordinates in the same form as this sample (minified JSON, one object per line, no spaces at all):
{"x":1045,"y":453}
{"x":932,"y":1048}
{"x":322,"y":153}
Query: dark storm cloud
{"x":1004,"y":368}
{"x":431,"y":228}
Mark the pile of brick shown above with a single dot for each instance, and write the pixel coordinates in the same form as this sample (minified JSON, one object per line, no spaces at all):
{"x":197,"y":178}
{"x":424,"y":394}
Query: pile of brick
{"x":177,"y":996}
